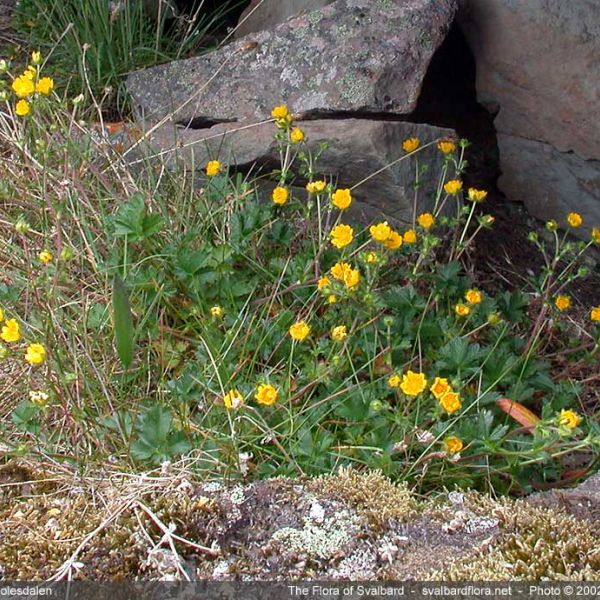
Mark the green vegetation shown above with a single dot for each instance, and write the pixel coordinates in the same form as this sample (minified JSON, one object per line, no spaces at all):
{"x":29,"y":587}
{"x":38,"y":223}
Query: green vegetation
{"x":146,"y":315}
{"x":92,"y":45}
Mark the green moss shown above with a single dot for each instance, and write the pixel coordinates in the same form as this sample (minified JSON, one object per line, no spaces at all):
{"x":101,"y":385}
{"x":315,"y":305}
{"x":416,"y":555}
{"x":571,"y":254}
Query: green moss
{"x":371,"y":494}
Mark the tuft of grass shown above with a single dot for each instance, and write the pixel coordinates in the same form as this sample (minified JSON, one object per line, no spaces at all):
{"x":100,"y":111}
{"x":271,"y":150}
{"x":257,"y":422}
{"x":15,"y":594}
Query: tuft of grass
{"x":91,"y":45}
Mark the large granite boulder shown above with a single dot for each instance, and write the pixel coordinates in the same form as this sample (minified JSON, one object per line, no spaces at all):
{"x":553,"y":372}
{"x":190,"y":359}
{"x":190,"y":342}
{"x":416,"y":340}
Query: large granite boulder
{"x":339,"y":69}
{"x":550,"y":183}
{"x":539,"y":62}
{"x":357,"y":148}
{"x":265,"y":14}
{"x":353,"y":55}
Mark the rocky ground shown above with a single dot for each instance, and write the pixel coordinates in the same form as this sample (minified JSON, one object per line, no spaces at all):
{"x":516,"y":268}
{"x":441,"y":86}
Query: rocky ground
{"x":173,"y":525}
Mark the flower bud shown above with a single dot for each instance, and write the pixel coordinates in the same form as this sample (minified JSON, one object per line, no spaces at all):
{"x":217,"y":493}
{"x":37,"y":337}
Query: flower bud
{"x":376,"y":405}
{"x":67,"y":253}
{"x":22,"y":226}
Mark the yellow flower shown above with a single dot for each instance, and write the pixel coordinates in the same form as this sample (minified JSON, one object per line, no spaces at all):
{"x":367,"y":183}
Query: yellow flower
{"x":316,"y":187}
{"x":323,"y":283}
{"x":371,"y":258}
{"x":476,"y":195}
{"x":300,"y":330}
{"x":410,"y":236}
{"x":341,"y":236}
{"x":35,"y":354}
{"x":426,"y":220}
{"x":352,"y":278}
{"x":453,"y":186}
{"x":22,"y":108}
{"x":450,"y":402}
{"x":446,"y":146}
{"x":596,"y":235}
{"x":30,"y":72}
{"x":331,"y":299}
{"x":23,"y":86}
{"x":551,"y":225}
{"x":394,"y":381}
{"x":341,"y":199}
{"x":44,"y":86}
{"x":280,"y":112}
{"x":380,"y":232}
{"x":453,"y":445}
{"x":233,"y":399}
{"x":339,"y":270}
{"x":296,"y":135}
{"x":216,"y":311}
{"x":594,"y":314}
{"x":280,"y":195}
{"x":282,"y":116}
{"x":440,"y":387}
{"x":473,"y":296}
{"x":462,"y":310}
{"x":266,"y":394}
{"x":411,"y":144}
{"x":36,"y":58}
{"x":38,"y":398}
{"x":394,"y":241}
{"x":1,"y":314}
{"x":562,"y":302}
{"x":45,"y":256}
{"x":569,"y":418}
{"x":213,"y":167}
{"x":339,"y":333}
{"x":574,"y":220}
{"x":413,"y":383}
{"x":11,"y":332}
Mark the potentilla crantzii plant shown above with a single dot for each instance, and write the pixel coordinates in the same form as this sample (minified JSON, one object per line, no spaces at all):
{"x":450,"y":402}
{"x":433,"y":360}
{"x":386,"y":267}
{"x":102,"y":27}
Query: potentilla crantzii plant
{"x":145,"y":317}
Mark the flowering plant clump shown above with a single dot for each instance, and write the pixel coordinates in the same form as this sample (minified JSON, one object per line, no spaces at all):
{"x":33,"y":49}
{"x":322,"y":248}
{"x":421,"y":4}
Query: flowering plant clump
{"x":269,"y":332}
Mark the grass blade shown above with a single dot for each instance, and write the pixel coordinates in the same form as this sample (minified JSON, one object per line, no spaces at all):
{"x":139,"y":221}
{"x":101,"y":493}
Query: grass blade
{"x":122,"y":322}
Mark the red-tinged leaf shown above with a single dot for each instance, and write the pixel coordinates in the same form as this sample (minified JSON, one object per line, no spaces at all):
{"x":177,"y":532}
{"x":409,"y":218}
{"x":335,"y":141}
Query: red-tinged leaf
{"x":518,"y":412}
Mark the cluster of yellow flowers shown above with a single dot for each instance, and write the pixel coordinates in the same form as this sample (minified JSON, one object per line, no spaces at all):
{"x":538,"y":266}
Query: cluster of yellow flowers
{"x":563,"y":302}
{"x":472,"y":297}
{"x":29,"y":84}
{"x":35,"y":353}
{"x":413,"y":143}
{"x":266,"y":394}
{"x":412,"y":384}
{"x":384,"y":234}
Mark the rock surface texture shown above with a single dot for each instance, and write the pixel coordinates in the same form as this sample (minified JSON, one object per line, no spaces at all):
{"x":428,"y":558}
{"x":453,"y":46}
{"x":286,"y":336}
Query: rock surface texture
{"x":265,"y":14}
{"x":351,"y":72}
{"x":353,"y":55}
{"x":539,"y":61}
{"x":356,"y":149}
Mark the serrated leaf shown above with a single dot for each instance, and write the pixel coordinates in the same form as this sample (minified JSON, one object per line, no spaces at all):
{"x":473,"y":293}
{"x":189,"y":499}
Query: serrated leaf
{"x":122,"y":322}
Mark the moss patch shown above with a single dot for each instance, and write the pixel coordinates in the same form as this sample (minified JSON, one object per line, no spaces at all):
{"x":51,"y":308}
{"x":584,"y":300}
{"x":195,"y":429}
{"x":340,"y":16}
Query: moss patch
{"x":347,"y":526}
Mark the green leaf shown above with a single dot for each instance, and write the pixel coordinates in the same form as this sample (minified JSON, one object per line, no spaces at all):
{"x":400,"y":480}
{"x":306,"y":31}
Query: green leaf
{"x":156,"y":439}
{"x":24,"y":418}
{"x":122,"y":322}
{"x":133,"y":221}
